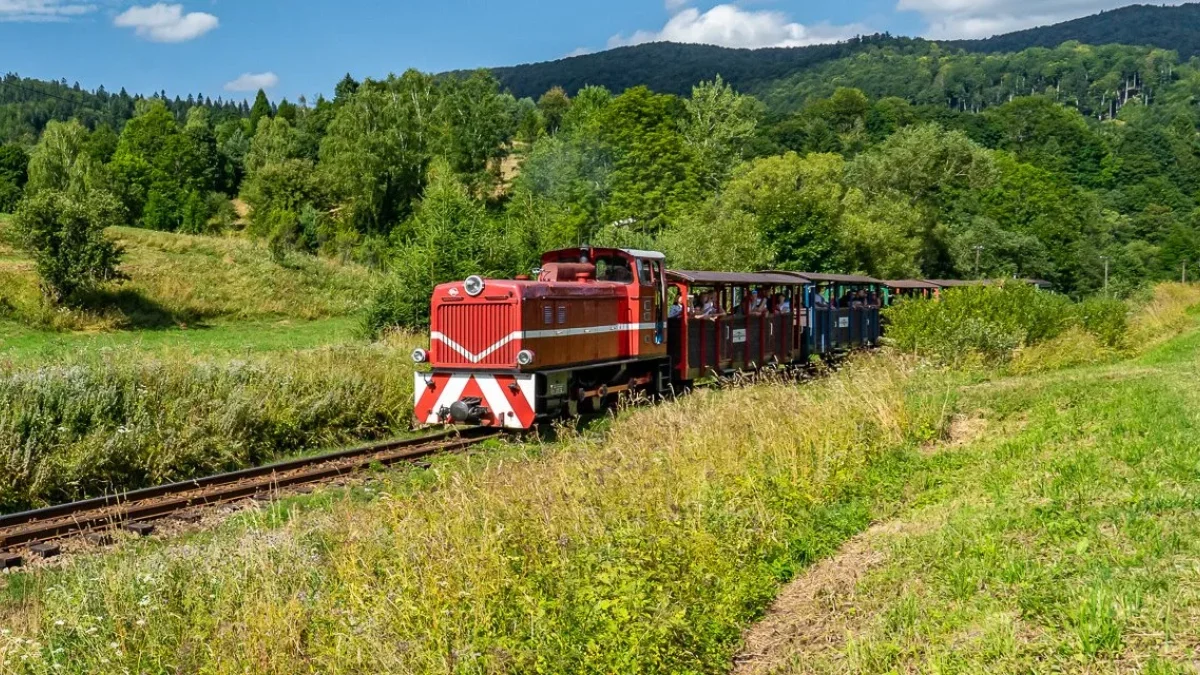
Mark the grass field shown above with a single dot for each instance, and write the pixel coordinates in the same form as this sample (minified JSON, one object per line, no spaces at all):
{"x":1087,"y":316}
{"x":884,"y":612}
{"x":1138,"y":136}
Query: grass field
{"x":1040,"y":523}
{"x":20,"y":344}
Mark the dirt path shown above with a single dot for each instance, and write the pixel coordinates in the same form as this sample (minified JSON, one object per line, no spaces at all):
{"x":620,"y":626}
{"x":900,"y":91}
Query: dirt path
{"x":809,"y":612}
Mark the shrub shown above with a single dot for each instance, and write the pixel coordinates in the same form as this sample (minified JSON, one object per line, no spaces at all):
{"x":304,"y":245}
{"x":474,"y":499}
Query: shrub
{"x":10,"y":194}
{"x":993,"y":322}
{"x":66,"y":236}
{"x":1105,"y":318}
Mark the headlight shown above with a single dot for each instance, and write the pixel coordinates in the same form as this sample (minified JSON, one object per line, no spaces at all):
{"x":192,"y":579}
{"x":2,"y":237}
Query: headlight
{"x":524,"y":357}
{"x":473,"y":285}
{"x":420,"y":356}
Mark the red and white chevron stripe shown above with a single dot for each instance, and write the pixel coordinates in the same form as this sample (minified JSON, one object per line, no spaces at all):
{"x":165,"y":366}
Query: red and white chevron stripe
{"x":508,"y":397}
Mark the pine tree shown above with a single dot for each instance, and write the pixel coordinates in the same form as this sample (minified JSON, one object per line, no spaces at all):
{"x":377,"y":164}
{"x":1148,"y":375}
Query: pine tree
{"x":261,"y":109}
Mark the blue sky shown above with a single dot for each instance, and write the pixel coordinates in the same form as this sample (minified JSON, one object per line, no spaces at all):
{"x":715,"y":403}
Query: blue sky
{"x":228,"y":47}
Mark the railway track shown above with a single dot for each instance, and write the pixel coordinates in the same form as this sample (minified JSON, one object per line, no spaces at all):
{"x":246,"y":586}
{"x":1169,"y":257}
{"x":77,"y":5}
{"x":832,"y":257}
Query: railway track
{"x":35,"y":532}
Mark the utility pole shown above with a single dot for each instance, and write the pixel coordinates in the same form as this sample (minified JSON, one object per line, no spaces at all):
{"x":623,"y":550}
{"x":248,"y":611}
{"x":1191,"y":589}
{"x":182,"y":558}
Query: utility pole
{"x":978,"y":250}
{"x":1105,"y":259}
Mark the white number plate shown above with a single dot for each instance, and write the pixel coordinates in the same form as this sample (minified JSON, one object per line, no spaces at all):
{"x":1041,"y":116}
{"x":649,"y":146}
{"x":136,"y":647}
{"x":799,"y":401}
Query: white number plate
{"x":739,"y":336}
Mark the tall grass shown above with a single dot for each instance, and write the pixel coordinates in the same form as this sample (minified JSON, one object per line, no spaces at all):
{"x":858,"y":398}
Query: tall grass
{"x":120,"y":419}
{"x":1163,"y":313}
{"x":645,"y":551}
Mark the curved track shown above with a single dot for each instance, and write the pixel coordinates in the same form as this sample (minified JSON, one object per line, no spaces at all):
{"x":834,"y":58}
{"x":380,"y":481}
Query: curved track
{"x":133,"y":510}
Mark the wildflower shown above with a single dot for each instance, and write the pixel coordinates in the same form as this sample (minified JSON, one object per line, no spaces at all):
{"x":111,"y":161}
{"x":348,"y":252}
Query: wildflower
{"x":60,"y":622}
{"x":140,"y":622}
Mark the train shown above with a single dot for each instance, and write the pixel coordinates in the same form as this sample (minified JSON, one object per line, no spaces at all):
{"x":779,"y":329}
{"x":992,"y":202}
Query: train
{"x":598,"y":323}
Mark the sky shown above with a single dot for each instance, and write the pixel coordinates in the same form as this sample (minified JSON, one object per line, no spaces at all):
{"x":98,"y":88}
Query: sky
{"x":231,"y":48}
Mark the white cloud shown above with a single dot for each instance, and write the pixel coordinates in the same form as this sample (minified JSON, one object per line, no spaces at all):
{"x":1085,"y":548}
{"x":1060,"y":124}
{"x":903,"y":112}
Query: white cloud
{"x":732,"y":26}
{"x":579,"y":51}
{"x":673,"y":5}
{"x":985,"y":18}
{"x":42,"y":10}
{"x":253,"y":82}
{"x":161,"y":22}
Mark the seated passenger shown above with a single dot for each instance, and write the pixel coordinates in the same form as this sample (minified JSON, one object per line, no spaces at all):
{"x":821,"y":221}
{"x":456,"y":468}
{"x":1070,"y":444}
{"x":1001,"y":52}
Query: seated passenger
{"x":782,"y":304}
{"x":758,"y":303}
{"x":818,"y":300}
{"x":711,"y":310}
{"x":676,"y":310}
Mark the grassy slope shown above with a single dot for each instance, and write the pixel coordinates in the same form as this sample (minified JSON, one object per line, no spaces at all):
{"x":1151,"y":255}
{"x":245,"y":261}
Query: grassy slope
{"x":1061,"y":536}
{"x":179,"y":281}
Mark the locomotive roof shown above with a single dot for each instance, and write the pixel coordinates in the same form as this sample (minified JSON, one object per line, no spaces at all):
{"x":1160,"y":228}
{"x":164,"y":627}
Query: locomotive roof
{"x":737,"y":278}
{"x":649,"y":255}
{"x":910,"y":284}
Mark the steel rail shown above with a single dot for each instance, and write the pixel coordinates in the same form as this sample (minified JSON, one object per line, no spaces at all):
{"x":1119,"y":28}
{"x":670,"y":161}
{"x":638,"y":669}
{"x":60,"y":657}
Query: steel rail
{"x":54,"y":522}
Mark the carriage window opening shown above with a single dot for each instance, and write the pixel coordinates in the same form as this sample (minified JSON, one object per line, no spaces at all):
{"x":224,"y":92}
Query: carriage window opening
{"x":547,"y":315}
{"x":562,"y":314}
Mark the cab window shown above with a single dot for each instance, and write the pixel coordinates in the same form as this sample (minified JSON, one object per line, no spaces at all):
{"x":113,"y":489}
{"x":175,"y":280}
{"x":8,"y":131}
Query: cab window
{"x":614,"y":269}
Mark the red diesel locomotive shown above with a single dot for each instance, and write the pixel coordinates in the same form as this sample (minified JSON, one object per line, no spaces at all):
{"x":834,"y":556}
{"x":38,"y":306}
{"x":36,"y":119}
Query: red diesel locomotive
{"x":508,"y":352}
{"x":598,"y":322}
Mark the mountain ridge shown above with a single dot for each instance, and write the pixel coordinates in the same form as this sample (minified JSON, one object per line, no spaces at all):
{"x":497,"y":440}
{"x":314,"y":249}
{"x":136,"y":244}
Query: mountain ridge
{"x":670,"y":67}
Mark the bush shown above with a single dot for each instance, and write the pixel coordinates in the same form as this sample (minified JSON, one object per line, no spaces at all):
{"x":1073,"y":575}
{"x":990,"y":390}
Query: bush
{"x":66,"y":236}
{"x":10,"y":195}
{"x":992,"y":322}
{"x":1106,"y":319}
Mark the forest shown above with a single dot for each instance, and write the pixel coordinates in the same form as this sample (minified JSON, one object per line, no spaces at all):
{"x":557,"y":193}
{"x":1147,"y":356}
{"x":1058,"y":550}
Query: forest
{"x":1079,"y":165}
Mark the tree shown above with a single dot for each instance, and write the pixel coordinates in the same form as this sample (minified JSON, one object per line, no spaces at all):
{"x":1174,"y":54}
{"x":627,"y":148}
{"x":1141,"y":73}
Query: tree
{"x":478,"y":125}
{"x":14,"y":172}
{"x":450,"y":238}
{"x":260,"y":109}
{"x":654,"y":173}
{"x":345,"y":89}
{"x":65,"y":234}
{"x":739,"y":244}
{"x":157,"y":164}
{"x":287,"y":111}
{"x":796,"y":202}
{"x":283,"y":186}
{"x":718,"y":124}
{"x":1051,"y":136}
{"x":554,"y":105}
{"x":274,"y":141}
{"x":59,"y":162}
{"x":937,"y":172}
{"x":376,"y":151}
